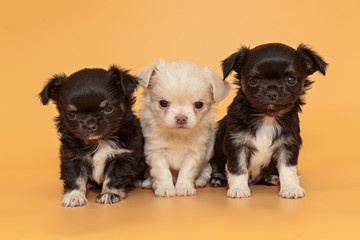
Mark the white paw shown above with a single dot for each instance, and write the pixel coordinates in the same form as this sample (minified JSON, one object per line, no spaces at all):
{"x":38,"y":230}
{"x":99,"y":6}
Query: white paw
{"x":200,"y":182}
{"x":185,"y":190}
{"x":146,"y":183}
{"x":74,"y":198}
{"x":294,"y":191}
{"x":238,"y":192}
{"x":165,"y":191}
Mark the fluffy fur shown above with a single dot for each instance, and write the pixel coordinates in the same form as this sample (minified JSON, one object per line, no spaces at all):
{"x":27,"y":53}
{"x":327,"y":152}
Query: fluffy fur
{"x":101,"y":139}
{"x":178,"y":124}
{"x":259,"y":139}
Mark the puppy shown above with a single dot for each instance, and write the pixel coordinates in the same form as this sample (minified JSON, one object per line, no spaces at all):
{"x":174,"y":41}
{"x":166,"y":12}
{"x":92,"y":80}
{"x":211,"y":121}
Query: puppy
{"x":178,"y":124}
{"x":101,"y":139}
{"x":259,"y":139}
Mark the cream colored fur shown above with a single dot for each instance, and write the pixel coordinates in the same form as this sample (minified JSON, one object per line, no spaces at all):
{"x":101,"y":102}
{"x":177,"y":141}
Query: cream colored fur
{"x":168,"y":148}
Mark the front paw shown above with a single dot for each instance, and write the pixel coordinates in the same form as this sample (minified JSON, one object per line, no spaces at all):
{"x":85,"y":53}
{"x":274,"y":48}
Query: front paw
{"x":217,"y":182}
{"x":107,"y":198}
{"x":239,"y":192}
{"x":165,"y":191}
{"x":200,"y":183}
{"x":185,"y":190}
{"x":146,"y":184}
{"x":74,"y":199}
{"x":292,"y":192}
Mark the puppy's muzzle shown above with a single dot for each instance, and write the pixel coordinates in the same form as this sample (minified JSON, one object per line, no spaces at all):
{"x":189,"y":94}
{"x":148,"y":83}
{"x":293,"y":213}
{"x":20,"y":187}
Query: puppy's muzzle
{"x":272,"y":95}
{"x":91,"y":127}
{"x":181,"y":120}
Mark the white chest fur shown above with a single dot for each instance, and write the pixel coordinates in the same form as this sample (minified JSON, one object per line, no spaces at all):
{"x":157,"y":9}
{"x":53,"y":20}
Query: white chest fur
{"x":104,"y":151}
{"x":263,"y":143}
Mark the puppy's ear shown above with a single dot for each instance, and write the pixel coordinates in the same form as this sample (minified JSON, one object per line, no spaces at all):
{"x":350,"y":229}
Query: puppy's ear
{"x":52,"y":89}
{"x":234,"y":62}
{"x":220,"y":88}
{"x":313,"y":62}
{"x":147,"y":73}
{"x":122,"y":78}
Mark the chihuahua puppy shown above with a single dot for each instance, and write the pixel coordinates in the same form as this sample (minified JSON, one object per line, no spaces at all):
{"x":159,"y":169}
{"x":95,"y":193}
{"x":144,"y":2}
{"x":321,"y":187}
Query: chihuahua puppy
{"x":101,"y":139}
{"x":178,"y":124}
{"x":258,"y":140}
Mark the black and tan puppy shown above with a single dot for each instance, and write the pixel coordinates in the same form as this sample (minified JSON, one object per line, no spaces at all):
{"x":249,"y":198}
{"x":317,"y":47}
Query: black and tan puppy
{"x":259,"y":139}
{"x":101,"y":139}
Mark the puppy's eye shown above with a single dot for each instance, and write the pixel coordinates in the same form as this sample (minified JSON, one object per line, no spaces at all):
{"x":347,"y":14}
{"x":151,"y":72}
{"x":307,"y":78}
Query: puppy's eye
{"x":72,"y":115}
{"x":108,"y":109}
{"x":253,"y":82}
{"x":291,"y":80}
{"x":164,"y":103}
{"x":198,"y":105}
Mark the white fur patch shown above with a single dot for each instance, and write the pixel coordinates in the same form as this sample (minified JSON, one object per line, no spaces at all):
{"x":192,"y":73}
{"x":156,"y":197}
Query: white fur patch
{"x":185,"y":189}
{"x":146,"y":184}
{"x":238,"y":185}
{"x":263,"y":143}
{"x":204,"y":177}
{"x":103,"y":152}
{"x":164,"y":190}
{"x":289,"y":181}
{"x":76,"y":197}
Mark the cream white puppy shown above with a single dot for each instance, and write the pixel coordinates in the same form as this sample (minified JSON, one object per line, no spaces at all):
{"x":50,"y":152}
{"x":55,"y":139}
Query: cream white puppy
{"x":178,"y":124}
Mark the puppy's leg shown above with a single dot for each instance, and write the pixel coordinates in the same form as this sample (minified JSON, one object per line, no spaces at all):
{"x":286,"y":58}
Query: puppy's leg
{"x":237,"y":175}
{"x":162,"y":178}
{"x":218,"y":161}
{"x":109,"y":193}
{"x":75,"y":178}
{"x":218,"y":175}
{"x":187,"y":174}
{"x":120,"y":173}
{"x":289,"y":180}
{"x":204,"y":176}
{"x":75,"y":195}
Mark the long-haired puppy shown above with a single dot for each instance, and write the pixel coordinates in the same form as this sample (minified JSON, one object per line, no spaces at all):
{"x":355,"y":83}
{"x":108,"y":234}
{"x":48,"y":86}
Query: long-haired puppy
{"x":258,"y":140}
{"x":178,"y":124}
{"x":101,"y":139}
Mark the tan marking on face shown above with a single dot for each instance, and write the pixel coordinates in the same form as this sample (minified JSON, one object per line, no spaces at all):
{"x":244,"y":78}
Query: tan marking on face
{"x":72,"y":107}
{"x":103,"y":104}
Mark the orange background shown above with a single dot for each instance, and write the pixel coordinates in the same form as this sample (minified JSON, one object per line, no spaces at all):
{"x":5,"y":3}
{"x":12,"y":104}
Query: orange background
{"x":41,"y":38}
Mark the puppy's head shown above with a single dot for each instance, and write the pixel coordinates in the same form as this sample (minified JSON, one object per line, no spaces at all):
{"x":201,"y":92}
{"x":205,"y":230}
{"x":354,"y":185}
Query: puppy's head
{"x":180,"y":94}
{"x":91,"y":102}
{"x":273,"y":76}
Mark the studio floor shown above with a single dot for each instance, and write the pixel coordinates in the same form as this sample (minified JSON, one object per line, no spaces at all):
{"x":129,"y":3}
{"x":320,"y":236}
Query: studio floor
{"x":30,"y":209}
{"x":40,"y":38}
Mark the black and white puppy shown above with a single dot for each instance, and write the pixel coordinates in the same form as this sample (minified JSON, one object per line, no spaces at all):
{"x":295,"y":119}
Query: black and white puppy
{"x":101,"y":139}
{"x":258,"y":140}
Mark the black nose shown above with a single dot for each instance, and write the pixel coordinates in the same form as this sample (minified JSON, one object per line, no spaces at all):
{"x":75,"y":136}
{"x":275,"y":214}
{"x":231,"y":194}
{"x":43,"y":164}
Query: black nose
{"x":271,"y":95}
{"x":181,"y":119}
{"x":91,"y":127}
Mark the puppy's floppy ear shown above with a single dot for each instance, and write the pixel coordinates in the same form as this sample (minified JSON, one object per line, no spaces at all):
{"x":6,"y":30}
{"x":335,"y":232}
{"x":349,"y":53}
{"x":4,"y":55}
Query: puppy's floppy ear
{"x":313,"y":62}
{"x":234,"y":62}
{"x":220,"y":88}
{"x":147,"y":73}
{"x":121,"y":77}
{"x":52,"y":89}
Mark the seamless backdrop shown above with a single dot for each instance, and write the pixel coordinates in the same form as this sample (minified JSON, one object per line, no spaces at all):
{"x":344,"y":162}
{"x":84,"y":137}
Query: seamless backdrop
{"x":41,"y":38}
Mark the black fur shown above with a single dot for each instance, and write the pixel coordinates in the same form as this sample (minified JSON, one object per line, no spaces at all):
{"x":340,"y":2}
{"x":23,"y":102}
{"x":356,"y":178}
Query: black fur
{"x":103,"y":101}
{"x":271,"y":65}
